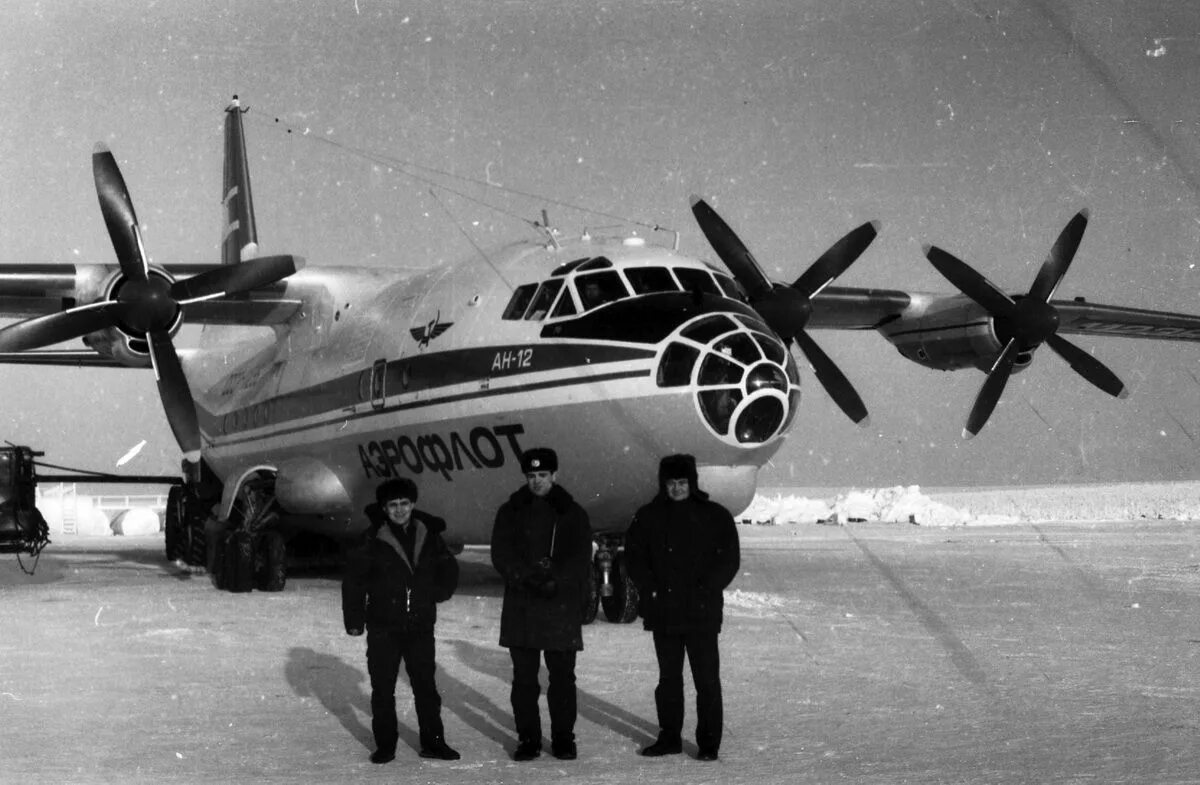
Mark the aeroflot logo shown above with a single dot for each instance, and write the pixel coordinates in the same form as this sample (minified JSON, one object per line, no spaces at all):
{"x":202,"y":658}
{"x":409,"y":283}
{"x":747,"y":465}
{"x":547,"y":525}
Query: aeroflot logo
{"x":434,"y":328}
{"x":479,"y":448}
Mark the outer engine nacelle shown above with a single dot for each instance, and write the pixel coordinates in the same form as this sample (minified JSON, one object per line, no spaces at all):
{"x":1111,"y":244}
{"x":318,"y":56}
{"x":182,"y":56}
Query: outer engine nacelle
{"x":126,"y":345}
{"x":954,"y":335}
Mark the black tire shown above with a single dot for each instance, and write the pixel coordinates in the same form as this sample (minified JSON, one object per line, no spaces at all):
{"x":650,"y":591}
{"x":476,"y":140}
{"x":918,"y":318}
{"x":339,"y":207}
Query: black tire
{"x":271,"y":562}
{"x":622,"y":606}
{"x":239,"y":562}
{"x":174,"y":534}
{"x":591,"y":595}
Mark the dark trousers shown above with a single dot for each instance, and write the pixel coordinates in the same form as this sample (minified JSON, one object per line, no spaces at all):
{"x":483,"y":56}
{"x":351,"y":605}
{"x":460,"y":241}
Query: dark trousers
{"x":560,"y":694}
{"x":385,"y":649}
{"x":702,"y":654}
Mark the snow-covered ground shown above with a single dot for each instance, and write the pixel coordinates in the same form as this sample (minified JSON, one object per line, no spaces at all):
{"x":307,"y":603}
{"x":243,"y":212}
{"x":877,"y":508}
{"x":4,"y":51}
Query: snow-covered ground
{"x":977,"y":506}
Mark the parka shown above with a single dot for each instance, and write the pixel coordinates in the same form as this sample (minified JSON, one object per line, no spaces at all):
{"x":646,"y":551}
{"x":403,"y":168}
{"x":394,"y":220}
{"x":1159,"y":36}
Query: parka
{"x":681,"y":555}
{"x":528,"y":529}
{"x":381,"y":588}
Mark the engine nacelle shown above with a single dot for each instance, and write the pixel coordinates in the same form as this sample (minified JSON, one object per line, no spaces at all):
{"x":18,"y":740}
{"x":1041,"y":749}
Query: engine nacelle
{"x":953,"y":335}
{"x":125,"y":345}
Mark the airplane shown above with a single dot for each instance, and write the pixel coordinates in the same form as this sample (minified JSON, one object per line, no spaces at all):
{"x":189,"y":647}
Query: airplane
{"x":310,"y":383}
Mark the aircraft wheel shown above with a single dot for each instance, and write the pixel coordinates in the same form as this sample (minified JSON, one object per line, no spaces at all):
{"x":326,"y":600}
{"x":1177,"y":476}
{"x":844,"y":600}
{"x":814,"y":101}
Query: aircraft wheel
{"x":591,"y":595}
{"x":271,"y":564}
{"x":214,"y":544}
{"x":239,"y":562}
{"x":622,"y":606}
{"x":174,"y":534}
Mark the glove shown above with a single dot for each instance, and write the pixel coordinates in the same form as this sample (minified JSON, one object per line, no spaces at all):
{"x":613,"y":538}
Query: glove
{"x":355,"y":632}
{"x":541,"y":584}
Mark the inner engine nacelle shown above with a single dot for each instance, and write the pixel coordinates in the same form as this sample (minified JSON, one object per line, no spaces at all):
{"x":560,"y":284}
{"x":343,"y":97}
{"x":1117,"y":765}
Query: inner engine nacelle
{"x":127,"y":346}
{"x":950,"y":337}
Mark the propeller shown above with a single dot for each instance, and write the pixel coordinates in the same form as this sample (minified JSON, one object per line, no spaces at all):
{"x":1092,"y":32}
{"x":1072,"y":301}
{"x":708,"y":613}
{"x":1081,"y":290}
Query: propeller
{"x":786,"y":309}
{"x":144,"y":303}
{"x":1028,"y":322}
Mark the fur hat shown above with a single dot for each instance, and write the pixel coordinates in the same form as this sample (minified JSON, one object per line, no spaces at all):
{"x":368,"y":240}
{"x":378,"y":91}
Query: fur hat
{"x":678,"y":467}
{"x":539,"y":459}
{"x":396,"y":488}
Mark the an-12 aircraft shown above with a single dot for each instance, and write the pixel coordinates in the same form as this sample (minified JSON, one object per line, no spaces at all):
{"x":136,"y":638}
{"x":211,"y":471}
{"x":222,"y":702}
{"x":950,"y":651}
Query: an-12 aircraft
{"x":613,"y":351}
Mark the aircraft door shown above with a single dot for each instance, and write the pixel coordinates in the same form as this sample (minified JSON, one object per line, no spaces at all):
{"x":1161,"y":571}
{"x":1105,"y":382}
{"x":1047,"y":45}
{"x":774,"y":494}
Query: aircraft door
{"x":378,"y":383}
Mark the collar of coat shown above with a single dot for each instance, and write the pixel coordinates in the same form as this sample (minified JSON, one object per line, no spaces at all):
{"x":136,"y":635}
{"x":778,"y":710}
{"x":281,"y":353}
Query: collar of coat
{"x":423,"y":521}
{"x":558,"y":498}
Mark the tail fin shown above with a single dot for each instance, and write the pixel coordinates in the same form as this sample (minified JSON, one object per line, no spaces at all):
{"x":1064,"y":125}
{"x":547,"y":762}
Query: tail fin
{"x":240,"y":238}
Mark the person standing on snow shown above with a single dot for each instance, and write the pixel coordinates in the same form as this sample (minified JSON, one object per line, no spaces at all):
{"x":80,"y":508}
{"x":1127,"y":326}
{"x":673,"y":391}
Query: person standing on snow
{"x":542,"y":547}
{"x":681,"y":551}
{"x":393,"y":583}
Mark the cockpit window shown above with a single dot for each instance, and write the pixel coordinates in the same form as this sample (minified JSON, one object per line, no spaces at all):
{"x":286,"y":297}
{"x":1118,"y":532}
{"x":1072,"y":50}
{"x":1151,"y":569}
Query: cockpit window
{"x":731,"y":287}
{"x":599,"y":263}
{"x":696,"y":281}
{"x":520,"y":301}
{"x":645,"y":280}
{"x":543,"y":299}
{"x":563,"y":269}
{"x":596,"y":289}
{"x":565,"y":305}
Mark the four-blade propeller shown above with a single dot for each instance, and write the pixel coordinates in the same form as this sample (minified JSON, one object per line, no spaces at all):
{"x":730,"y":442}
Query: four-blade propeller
{"x":786,"y":309}
{"x":146,"y":304}
{"x":1027,"y":322}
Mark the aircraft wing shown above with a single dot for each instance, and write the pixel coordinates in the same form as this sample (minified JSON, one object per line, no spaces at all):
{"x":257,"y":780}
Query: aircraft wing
{"x":893,"y":310}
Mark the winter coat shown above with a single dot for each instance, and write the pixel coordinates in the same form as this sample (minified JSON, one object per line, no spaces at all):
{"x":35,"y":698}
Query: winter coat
{"x":382,"y":588}
{"x":525,"y":527}
{"x":681,"y":556}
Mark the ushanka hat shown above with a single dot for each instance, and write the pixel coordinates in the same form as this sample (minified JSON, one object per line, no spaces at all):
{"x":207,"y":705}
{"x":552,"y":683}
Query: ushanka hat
{"x":539,"y":459}
{"x":396,"y":488}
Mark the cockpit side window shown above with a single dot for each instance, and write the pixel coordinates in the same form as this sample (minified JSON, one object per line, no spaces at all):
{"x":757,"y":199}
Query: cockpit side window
{"x":596,"y":289}
{"x":696,"y":281}
{"x":645,"y":280}
{"x":519,"y":301}
{"x":565,"y":305}
{"x":731,"y":287}
{"x":543,"y":299}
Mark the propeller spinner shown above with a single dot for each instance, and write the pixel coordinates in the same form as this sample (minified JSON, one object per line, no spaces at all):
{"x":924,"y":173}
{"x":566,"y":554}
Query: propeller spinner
{"x":786,"y":309}
{"x":1028,"y":322}
{"x":145,"y":304}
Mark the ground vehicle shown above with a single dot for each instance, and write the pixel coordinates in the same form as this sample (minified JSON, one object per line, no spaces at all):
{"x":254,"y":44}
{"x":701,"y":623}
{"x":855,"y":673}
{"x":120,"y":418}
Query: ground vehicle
{"x":22,"y":527}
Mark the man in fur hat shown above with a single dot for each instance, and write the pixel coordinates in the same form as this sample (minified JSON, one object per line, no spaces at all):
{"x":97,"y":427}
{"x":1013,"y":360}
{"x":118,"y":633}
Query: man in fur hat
{"x":393,"y":583}
{"x":542,"y":546}
{"x":681,"y":552}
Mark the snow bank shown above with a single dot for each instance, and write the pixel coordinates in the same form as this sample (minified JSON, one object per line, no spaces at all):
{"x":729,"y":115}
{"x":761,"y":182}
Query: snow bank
{"x":984,"y":506}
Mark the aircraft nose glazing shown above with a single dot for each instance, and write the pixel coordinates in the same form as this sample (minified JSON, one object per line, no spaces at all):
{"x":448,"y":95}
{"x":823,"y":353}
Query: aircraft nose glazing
{"x":745,"y":383}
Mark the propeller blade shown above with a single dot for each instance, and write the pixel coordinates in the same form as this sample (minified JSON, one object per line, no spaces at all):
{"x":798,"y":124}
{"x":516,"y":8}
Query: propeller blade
{"x":989,"y":394}
{"x":837,"y":259}
{"x":119,"y":216}
{"x":731,"y":250}
{"x":1059,"y":260}
{"x":58,"y":327}
{"x":971,"y":283}
{"x":235,"y":278}
{"x":833,"y":380}
{"x":176,"y":394}
{"x":1088,"y":367}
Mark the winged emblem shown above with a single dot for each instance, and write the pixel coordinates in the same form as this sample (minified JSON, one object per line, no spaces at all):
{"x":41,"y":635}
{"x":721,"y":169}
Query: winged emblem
{"x":434,"y":328}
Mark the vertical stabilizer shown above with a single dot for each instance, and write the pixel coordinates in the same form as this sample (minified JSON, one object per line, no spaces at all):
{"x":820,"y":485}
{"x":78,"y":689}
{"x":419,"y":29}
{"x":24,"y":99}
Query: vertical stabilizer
{"x":239,"y":239}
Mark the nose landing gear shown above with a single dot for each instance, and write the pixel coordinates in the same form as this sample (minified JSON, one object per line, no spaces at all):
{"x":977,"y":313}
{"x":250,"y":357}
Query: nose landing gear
{"x":614,"y":591}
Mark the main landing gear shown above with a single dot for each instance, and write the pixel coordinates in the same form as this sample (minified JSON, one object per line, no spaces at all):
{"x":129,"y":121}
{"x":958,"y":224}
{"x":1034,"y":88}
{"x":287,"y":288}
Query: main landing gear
{"x":244,"y":553}
{"x":611,"y":588}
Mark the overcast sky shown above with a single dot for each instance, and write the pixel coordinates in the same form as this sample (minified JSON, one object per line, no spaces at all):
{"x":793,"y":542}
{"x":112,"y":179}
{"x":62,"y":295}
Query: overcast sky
{"x":979,"y":127}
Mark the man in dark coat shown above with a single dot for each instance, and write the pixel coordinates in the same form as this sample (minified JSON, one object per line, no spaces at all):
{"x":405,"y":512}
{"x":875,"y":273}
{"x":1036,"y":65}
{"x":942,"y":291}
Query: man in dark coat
{"x":393,"y":582}
{"x":542,"y":546}
{"x":682,"y":551}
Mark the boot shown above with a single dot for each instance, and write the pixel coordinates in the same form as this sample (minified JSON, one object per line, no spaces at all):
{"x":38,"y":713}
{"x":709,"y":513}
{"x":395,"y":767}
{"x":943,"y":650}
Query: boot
{"x":383,"y":756}
{"x":439,"y":749}
{"x":528,"y":749}
{"x":666,"y":745}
